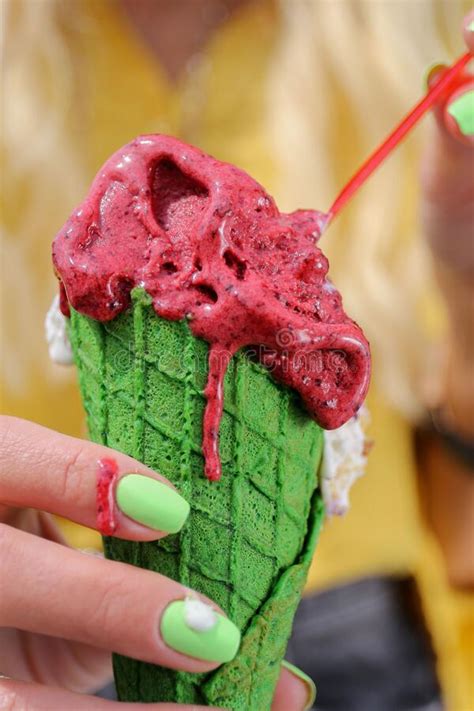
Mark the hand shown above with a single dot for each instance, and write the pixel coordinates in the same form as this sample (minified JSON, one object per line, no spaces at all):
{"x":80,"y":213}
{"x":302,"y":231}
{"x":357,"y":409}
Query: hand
{"x":61,"y":609}
{"x":448,"y":217}
{"x":447,"y":177}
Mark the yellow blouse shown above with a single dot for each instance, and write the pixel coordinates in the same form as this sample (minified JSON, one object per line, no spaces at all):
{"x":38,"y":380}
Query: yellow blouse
{"x":218,"y":108}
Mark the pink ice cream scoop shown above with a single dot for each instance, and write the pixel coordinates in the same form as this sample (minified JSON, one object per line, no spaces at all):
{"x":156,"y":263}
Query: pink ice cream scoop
{"x":209,"y":245}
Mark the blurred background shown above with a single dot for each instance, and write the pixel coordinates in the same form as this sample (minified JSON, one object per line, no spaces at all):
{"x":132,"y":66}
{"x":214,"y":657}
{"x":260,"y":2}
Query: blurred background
{"x":297,"y":93}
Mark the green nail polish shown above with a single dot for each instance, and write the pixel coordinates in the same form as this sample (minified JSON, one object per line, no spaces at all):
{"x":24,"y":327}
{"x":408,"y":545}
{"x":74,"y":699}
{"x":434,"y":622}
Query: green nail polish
{"x":217,"y":639}
{"x":306,"y":679}
{"x":462,"y":111}
{"x":151,"y":503}
{"x":470,"y":26}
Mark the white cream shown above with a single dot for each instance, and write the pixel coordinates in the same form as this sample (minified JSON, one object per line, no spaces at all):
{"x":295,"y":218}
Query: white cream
{"x":344,"y":461}
{"x":198,"y":615}
{"x":60,"y":350}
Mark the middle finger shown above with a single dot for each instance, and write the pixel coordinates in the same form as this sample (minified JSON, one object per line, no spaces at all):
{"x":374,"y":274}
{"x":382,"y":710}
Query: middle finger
{"x":53,"y":590}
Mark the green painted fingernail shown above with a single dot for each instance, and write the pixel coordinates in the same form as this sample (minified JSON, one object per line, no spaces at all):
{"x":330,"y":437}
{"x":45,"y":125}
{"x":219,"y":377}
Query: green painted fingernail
{"x":151,"y":503}
{"x":462,"y":111}
{"x":306,"y":679}
{"x":470,"y":26}
{"x":193,"y":628}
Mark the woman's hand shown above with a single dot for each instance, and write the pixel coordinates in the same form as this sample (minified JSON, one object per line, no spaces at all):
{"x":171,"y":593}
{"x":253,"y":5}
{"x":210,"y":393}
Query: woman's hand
{"x":448,"y":221}
{"x":62,"y":610}
{"x":447,"y":177}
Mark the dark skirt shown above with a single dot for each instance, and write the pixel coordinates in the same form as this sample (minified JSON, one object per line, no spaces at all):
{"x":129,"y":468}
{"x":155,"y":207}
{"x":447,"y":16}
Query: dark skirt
{"x":366,"y":648}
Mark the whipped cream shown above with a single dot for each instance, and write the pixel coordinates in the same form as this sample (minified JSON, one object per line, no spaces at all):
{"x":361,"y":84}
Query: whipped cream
{"x":59,"y":347}
{"x":344,"y":461}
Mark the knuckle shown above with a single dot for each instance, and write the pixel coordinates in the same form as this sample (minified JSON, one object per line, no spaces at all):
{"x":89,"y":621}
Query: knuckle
{"x":7,"y":438}
{"x":10,"y":700}
{"x":6,"y":542}
{"x":7,"y":554}
{"x":71,"y":479}
{"x":111,"y":603}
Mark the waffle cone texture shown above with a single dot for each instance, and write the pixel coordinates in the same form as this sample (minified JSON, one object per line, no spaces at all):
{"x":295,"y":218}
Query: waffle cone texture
{"x":250,"y":537}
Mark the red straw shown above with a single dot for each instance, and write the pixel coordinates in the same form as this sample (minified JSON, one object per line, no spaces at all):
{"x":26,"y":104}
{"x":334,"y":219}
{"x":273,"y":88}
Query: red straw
{"x":394,"y":138}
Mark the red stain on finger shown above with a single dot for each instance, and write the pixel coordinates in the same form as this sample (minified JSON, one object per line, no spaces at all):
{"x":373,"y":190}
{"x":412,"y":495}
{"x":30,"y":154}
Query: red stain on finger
{"x":106,"y":478}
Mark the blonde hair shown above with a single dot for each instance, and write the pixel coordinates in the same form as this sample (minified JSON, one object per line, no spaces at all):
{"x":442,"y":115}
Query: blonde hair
{"x":344,"y":73}
{"x":337,"y":63}
{"x":43,"y":176}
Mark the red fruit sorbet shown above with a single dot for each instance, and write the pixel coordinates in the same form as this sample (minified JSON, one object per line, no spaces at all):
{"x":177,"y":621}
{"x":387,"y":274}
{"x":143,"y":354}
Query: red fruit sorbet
{"x":208,"y":244}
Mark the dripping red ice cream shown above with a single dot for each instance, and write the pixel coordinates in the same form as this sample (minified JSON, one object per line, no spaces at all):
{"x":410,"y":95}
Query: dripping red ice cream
{"x":107,"y":473}
{"x":208,"y":244}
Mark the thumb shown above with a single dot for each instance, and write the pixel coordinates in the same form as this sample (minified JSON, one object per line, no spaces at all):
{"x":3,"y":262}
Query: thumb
{"x":455,"y":108}
{"x":458,"y":113}
{"x":446,"y":169}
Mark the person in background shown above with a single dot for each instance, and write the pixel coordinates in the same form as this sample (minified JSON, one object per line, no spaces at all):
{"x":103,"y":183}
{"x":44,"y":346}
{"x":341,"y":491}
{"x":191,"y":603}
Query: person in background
{"x":297,"y":93}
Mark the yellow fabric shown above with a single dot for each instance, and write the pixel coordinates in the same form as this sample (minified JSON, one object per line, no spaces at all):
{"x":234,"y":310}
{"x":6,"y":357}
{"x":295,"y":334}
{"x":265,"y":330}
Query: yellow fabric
{"x":128,"y":94}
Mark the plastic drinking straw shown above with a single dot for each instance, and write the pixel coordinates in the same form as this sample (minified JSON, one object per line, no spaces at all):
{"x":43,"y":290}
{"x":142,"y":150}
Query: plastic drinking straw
{"x":399,"y":132}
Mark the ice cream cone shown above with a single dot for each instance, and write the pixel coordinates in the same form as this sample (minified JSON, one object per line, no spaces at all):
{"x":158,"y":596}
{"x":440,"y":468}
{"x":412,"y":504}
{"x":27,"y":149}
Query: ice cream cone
{"x":251,"y":535}
{"x":165,"y":370}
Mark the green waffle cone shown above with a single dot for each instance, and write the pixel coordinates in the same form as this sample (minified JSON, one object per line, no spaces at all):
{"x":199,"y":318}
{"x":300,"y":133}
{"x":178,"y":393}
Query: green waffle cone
{"x":250,"y":537}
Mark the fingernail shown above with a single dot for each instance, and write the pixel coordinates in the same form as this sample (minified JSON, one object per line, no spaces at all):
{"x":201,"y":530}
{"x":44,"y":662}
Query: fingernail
{"x":151,"y":503}
{"x":304,"y":678}
{"x":193,"y":628}
{"x":431,"y":72}
{"x":470,"y":27}
{"x":462,"y":111}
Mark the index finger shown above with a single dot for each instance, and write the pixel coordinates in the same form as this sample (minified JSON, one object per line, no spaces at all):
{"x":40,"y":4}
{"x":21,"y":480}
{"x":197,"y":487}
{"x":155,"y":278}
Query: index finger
{"x":86,"y":483}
